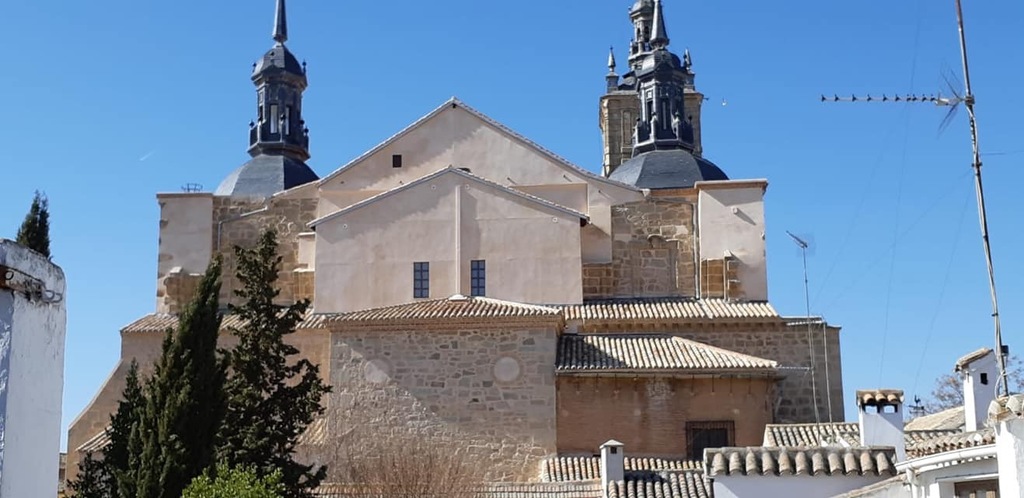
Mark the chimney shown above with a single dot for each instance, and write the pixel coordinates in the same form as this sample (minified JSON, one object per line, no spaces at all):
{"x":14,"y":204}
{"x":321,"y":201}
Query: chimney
{"x":1007,"y":417}
{"x":613,"y":464}
{"x":881,"y":420}
{"x":979,"y":373}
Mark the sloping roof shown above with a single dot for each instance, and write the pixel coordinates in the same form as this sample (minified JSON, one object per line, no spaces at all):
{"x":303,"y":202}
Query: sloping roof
{"x":589,"y":489}
{"x":879,"y":489}
{"x":951,"y":441}
{"x":265,"y":175}
{"x":972,"y":357}
{"x":452,"y":308}
{"x":455,"y":102}
{"x":315,"y":434}
{"x":951,"y":419}
{"x":685,"y":484}
{"x":95,"y":444}
{"x":655,"y":352}
{"x":658,"y":169}
{"x":451,"y":170}
{"x":879,"y":397}
{"x":831,"y":434}
{"x":567,"y":468}
{"x":673,"y":308}
{"x":831,"y":461}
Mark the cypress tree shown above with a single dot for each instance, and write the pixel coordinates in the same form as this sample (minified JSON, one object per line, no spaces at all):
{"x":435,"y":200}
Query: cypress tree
{"x":34,"y":232}
{"x":272,"y":397}
{"x":175,"y":440}
{"x":116,"y":455}
{"x":92,"y":481}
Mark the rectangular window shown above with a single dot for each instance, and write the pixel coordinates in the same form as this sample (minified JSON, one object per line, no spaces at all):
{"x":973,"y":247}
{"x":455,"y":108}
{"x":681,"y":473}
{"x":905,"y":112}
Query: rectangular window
{"x":420,"y":280}
{"x":288,"y":120}
{"x":977,"y":489}
{"x":396,"y":161}
{"x":703,"y":435}
{"x":478,"y":277}
{"x":273,"y":118}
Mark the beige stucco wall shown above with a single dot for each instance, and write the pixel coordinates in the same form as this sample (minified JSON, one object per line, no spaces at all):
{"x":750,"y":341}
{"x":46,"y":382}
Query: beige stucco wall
{"x":731,"y":218}
{"x":456,"y":137}
{"x":186,"y":227}
{"x":364,"y":258}
{"x":490,"y":389}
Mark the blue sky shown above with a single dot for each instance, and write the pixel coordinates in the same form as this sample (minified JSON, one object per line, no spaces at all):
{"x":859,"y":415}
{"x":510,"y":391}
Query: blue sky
{"x":112,"y":101}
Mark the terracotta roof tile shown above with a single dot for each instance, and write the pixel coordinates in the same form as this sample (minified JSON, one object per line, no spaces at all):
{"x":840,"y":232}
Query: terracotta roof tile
{"x":582,"y":468}
{"x":879,"y":396}
{"x":972,"y":357}
{"x":951,"y":419}
{"x":671,"y":309}
{"x":950,"y":442}
{"x":823,"y":461}
{"x":834,"y":434}
{"x":590,"y":489}
{"x":681,"y":484}
{"x":95,"y":444}
{"x":619,"y":352}
{"x":455,"y":307}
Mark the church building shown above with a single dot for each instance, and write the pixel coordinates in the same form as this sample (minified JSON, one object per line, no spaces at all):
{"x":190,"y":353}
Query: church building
{"x":478,"y":286}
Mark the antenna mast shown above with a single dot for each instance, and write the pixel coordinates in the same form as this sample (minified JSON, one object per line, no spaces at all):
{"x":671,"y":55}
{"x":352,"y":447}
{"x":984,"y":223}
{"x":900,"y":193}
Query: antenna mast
{"x":982,"y":216}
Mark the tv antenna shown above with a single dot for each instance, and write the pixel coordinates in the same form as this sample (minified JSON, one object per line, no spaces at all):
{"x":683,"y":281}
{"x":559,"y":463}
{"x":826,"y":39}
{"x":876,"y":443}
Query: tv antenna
{"x":803,"y":245}
{"x":968,"y":101}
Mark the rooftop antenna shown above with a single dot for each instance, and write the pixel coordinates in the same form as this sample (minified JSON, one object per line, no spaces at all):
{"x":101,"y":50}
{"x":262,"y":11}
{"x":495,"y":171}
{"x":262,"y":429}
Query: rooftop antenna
{"x":192,"y":188}
{"x":803,"y":245}
{"x":968,"y":102}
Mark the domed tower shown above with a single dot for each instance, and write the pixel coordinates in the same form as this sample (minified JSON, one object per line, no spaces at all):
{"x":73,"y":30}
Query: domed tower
{"x":665,"y":143}
{"x":278,"y":139}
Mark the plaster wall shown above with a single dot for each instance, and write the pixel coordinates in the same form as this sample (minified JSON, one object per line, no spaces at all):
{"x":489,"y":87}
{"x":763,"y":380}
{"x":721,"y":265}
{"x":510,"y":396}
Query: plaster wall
{"x":980,"y":379}
{"x":941,"y":482}
{"x":186,"y":228}
{"x":731,"y":218}
{"x":365,"y":257}
{"x":816,"y":486}
{"x":649,"y":414}
{"x":490,"y":389}
{"x":32,"y":332}
{"x":1010,"y":453}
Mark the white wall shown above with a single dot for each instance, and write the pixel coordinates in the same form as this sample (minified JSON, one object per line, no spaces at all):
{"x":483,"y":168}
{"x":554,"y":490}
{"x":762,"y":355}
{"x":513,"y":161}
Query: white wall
{"x":980,"y":379}
{"x":364,"y":257}
{"x":31,"y":375}
{"x":731,"y":218}
{"x":780,"y":486}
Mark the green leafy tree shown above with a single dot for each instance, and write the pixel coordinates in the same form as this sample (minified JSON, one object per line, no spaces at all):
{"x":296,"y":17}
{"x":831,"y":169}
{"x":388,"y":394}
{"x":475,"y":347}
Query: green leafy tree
{"x":272,"y":397}
{"x":92,"y":481}
{"x":235,"y":483}
{"x":34,"y":232}
{"x":184,"y":399}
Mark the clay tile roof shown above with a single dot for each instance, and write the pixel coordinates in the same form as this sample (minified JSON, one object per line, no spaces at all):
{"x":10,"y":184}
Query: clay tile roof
{"x":879,"y":397}
{"x":830,"y":461}
{"x":683,"y":484}
{"x":619,"y":352}
{"x":590,"y":489}
{"x":683,"y":309}
{"x":159,"y":322}
{"x":969,"y":358}
{"x":453,"y":308}
{"x":835,"y":434}
{"x":951,"y":441}
{"x":95,"y":444}
{"x":581,"y":468}
{"x":951,"y":419}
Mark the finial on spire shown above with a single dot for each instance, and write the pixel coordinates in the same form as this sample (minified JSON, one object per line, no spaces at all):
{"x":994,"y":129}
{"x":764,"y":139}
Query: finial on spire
{"x":280,"y":23}
{"x":659,"y":35}
{"x":611,"y":60}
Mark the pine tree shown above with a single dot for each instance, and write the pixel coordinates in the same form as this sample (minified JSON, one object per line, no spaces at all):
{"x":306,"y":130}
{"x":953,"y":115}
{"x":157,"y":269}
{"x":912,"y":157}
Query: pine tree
{"x":184,"y":399}
{"x":272,"y":397}
{"x":34,"y":232}
{"x":92,"y":481}
{"x":116,"y":456}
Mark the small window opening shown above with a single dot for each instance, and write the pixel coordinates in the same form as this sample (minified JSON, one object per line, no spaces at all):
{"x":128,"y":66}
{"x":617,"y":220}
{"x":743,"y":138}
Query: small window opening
{"x":614,"y":450}
{"x":288,"y":121}
{"x":984,"y":379}
{"x":396,"y":161}
{"x":274,"y":116}
{"x":703,"y":435}
{"x":478,"y":277}
{"x":420,"y":280}
{"x":889,"y":409}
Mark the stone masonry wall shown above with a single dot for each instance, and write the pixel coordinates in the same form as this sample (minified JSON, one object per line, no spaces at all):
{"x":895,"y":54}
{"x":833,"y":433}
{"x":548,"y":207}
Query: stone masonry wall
{"x":719,"y":279}
{"x":650,"y":414}
{"x":652,"y":252}
{"x":490,"y":389}
{"x":791,"y":347}
{"x":287,"y":216}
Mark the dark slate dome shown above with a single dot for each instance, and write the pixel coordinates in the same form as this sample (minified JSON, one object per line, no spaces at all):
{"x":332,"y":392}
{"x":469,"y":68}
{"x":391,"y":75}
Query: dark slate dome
{"x":266,"y":175}
{"x":677,"y":168}
{"x":643,"y":5}
{"x":279,"y":58}
{"x":660,"y":60}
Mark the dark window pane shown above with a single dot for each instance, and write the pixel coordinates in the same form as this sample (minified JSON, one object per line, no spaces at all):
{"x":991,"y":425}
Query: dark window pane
{"x":396,"y":161}
{"x":702,"y":435}
{"x":478,"y":277}
{"x":420,"y":280}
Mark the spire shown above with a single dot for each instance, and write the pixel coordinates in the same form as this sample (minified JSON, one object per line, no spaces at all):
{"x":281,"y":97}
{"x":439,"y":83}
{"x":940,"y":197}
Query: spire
{"x":659,"y":35}
{"x":611,"y":60}
{"x":280,"y":23}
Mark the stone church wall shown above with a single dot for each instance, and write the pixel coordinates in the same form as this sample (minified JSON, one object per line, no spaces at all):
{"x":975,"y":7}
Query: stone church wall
{"x":652,"y":252}
{"x":790,"y":346}
{"x":490,"y":389}
{"x":650,"y":414}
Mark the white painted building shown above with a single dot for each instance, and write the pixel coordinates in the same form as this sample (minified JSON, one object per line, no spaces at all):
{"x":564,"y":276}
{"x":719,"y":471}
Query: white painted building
{"x":32,"y":327}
